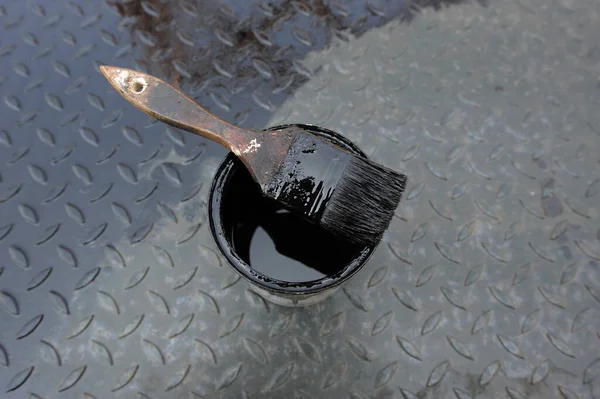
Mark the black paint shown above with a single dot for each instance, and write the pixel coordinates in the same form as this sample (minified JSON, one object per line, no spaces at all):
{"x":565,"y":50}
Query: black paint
{"x":275,"y":242}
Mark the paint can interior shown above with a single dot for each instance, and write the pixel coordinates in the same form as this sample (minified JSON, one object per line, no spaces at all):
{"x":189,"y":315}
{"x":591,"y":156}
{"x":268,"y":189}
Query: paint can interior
{"x":286,"y":259}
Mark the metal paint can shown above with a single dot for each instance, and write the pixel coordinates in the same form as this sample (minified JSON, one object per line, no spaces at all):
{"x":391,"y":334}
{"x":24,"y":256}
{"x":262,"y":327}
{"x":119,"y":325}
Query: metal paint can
{"x":235,"y":204}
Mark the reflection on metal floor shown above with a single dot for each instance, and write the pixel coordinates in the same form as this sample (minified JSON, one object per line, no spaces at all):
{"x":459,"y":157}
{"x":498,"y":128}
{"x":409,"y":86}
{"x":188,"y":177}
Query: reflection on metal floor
{"x":487,"y":284}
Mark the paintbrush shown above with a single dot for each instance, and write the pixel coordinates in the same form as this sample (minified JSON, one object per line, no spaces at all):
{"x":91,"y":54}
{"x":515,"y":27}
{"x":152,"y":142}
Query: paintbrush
{"x":348,"y":195}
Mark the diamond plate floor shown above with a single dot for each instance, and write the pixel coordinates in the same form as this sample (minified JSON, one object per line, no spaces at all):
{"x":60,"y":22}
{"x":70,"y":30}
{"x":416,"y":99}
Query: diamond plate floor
{"x":486,"y":286}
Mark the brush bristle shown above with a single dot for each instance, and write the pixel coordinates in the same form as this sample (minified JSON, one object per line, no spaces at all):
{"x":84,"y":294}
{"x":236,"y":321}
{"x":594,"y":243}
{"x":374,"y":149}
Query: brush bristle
{"x":363,"y":203}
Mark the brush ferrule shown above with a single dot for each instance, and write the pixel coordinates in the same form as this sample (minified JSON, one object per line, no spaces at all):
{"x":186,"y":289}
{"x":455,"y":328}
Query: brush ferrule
{"x":308,"y":176}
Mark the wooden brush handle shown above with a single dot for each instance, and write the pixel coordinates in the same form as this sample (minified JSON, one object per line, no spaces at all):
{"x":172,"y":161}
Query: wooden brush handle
{"x":261,"y":151}
{"x":169,"y":105}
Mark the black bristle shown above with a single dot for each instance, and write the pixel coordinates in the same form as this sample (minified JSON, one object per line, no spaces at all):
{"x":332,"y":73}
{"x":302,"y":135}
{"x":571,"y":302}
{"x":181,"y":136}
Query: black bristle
{"x":346,"y":194}
{"x":363,"y":203}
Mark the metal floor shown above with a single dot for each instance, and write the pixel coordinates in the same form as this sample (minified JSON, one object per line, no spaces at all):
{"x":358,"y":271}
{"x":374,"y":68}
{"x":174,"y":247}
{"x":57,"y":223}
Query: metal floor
{"x":486,"y":286}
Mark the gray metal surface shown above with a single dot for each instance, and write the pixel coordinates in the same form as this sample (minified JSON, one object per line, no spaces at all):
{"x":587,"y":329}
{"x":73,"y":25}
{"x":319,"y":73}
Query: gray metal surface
{"x":487,"y":284}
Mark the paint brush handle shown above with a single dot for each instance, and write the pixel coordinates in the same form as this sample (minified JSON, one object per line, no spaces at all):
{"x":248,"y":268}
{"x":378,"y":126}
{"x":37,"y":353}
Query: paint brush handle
{"x":169,"y":105}
{"x":261,"y":151}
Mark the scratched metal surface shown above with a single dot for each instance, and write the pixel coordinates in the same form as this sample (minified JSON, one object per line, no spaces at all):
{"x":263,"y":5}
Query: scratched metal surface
{"x":486,"y":286}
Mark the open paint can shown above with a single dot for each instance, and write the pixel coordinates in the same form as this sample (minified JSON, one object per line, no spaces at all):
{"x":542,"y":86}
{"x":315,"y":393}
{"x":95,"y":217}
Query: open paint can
{"x":285,"y":259}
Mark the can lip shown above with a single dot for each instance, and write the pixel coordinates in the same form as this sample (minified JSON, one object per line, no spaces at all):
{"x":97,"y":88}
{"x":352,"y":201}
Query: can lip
{"x":220,"y":181}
